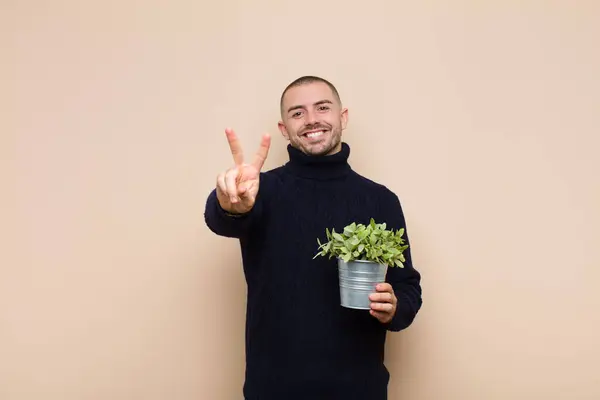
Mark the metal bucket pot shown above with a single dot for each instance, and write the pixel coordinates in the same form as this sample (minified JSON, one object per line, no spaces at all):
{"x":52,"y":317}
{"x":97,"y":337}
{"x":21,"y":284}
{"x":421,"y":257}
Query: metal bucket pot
{"x":358,"y":280}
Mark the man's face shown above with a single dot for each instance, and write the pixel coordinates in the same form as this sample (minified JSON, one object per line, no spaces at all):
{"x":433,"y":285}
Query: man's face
{"x":313,"y":119}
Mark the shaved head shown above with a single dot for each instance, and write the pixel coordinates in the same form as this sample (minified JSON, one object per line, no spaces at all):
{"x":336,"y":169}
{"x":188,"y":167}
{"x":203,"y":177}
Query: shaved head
{"x":304,"y":80}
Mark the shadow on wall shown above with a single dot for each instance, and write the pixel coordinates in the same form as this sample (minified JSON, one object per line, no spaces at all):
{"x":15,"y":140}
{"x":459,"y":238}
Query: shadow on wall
{"x":406,"y":350}
{"x":223,"y":306}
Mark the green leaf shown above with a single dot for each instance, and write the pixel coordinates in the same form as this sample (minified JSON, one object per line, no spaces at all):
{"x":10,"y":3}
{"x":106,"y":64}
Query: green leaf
{"x":372,"y":242}
{"x":337,"y":236}
{"x":350,"y":229}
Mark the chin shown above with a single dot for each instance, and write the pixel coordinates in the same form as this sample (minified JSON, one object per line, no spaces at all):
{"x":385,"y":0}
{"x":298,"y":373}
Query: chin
{"x":317,"y":152}
{"x":322,"y":150}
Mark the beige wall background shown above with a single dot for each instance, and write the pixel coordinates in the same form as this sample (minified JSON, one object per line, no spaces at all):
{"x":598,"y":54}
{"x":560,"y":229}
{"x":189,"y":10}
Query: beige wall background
{"x":482,"y":116}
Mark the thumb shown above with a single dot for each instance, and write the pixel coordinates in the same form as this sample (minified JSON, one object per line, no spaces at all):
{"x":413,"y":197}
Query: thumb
{"x":246,"y":193}
{"x":244,"y":189}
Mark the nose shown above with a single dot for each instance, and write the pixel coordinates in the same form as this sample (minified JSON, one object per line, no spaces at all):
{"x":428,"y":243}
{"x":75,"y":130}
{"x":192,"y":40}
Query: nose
{"x":310,"y":118}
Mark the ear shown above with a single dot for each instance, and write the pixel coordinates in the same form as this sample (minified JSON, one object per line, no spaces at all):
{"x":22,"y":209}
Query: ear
{"x":344,"y":118}
{"x":283,"y":130}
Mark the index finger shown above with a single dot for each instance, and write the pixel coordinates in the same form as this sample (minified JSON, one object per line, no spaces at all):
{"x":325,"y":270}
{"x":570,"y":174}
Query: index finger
{"x":263,"y":151}
{"x":384,"y":287}
{"x":235,"y":146}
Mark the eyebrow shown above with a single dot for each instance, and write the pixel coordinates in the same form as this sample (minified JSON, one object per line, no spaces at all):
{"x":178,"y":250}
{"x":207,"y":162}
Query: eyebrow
{"x":292,"y":108}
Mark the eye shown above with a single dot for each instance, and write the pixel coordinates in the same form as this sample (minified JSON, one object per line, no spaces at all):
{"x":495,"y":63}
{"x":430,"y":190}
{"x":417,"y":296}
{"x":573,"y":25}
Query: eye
{"x":323,"y":108}
{"x":296,"y":114}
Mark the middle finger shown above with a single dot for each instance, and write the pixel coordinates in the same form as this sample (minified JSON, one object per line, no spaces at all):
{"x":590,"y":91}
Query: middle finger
{"x":381,"y":297}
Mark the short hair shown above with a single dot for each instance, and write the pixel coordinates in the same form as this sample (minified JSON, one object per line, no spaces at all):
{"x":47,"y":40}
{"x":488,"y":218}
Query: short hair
{"x":303,"y":80}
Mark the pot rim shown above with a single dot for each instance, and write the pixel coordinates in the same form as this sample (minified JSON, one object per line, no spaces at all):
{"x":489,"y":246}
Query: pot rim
{"x":360,"y":261}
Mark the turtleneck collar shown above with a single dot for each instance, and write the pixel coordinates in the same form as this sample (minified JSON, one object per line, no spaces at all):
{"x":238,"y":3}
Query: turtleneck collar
{"x":319,"y":167}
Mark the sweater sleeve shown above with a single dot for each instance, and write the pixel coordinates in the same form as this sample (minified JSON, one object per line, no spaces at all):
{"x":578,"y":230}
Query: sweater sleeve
{"x":228,"y":225}
{"x":406,"y":281}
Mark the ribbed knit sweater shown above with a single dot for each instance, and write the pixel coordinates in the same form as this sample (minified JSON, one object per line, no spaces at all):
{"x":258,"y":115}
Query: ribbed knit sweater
{"x":301,"y":344}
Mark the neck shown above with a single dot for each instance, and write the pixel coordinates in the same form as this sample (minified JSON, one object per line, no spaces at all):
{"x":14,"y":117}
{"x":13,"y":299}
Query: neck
{"x":322,"y":167}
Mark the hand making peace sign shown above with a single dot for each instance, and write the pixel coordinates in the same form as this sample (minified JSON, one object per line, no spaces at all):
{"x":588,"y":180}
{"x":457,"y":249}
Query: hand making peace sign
{"x":238,"y":186}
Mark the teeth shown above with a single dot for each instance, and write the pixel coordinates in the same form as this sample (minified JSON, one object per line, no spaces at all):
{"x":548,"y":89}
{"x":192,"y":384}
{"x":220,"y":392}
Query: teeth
{"x":314,"y":134}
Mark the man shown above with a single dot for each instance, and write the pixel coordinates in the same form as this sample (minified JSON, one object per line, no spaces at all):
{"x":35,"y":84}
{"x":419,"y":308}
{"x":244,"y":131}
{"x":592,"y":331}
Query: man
{"x":300,"y":343}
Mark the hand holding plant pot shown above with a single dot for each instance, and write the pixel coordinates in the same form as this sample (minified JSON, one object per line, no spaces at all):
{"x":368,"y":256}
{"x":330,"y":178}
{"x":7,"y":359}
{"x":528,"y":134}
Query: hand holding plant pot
{"x":364,"y":252}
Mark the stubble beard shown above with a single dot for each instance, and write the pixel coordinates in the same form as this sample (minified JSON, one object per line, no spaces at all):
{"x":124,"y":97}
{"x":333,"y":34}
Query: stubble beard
{"x":316,"y":150}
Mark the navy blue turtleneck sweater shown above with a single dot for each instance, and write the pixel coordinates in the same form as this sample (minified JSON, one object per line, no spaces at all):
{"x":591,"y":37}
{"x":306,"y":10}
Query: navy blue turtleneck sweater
{"x":300,"y":343}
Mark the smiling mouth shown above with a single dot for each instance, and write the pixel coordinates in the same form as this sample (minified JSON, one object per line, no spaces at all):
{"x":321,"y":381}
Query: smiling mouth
{"x":314,"y":134}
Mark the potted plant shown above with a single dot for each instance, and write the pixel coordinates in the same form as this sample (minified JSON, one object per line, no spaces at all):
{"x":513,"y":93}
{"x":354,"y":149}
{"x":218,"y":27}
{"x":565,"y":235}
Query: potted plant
{"x":363,"y":252}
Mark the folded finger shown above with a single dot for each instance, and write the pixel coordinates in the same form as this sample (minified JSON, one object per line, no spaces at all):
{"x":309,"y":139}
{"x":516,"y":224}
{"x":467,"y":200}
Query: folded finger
{"x":231,"y":184}
{"x":382,"y":317}
{"x":382,"y":307}
{"x":221,"y":186}
{"x":384,"y":287}
{"x":385,"y":297}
